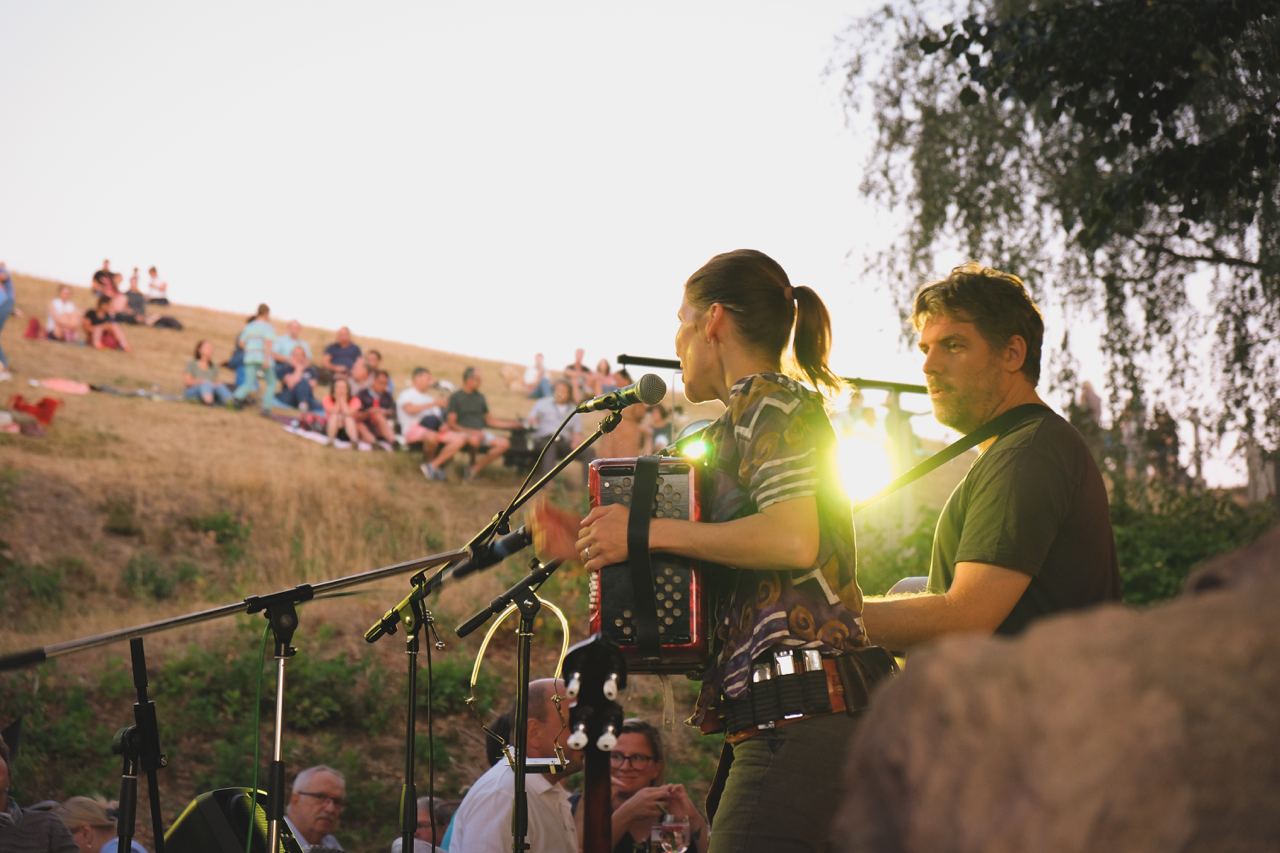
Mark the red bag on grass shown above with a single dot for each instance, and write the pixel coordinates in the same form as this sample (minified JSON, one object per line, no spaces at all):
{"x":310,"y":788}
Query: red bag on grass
{"x":42,"y":411}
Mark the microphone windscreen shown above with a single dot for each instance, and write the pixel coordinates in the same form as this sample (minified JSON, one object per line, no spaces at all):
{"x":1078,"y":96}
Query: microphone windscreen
{"x":651,"y":389}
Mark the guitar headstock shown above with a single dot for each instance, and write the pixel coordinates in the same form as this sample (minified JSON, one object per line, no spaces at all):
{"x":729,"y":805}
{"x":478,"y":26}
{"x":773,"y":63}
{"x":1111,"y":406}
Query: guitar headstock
{"x":595,"y":674}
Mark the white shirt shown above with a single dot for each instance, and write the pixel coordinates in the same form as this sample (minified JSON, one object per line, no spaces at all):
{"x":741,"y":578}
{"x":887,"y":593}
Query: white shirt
{"x":546,"y":414}
{"x":58,"y":307}
{"x":413,"y":397}
{"x":328,"y":841}
{"x":483,"y":821}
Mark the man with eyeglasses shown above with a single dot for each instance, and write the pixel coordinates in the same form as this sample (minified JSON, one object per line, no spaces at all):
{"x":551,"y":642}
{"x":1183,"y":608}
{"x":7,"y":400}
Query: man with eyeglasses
{"x":319,"y":793}
{"x":483,"y":821}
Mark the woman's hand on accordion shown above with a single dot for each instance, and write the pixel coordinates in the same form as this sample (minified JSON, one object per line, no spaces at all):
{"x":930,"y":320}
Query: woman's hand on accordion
{"x":602,"y":536}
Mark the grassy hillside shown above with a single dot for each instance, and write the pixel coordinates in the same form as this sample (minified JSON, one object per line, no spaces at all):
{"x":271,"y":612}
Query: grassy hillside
{"x":132,"y":510}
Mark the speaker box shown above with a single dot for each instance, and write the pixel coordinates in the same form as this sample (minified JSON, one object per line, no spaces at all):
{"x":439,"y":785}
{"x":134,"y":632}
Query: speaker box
{"x":217,"y":822}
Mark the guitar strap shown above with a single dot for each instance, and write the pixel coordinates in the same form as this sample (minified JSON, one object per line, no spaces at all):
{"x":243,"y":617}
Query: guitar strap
{"x":996,"y":426}
{"x":644,"y":604}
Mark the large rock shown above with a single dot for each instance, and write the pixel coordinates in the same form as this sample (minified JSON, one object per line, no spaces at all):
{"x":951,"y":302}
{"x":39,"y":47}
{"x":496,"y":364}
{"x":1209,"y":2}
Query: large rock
{"x":1109,"y":730}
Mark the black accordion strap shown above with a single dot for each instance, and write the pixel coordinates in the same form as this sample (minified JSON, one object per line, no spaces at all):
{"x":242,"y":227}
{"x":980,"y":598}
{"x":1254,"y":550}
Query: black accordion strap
{"x":644,"y":604}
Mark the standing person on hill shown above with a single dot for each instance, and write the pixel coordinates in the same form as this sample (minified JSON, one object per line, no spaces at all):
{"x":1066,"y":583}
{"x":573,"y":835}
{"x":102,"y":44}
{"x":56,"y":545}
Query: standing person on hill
{"x":257,"y":337}
{"x":201,"y":378}
{"x":468,"y":413}
{"x":8,"y":308}
{"x":23,"y":831}
{"x":340,"y":355}
{"x":779,"y":530}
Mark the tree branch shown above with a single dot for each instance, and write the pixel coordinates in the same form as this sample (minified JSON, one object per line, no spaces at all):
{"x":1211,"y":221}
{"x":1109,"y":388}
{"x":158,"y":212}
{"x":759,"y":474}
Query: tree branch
{"x":1214,"y":256}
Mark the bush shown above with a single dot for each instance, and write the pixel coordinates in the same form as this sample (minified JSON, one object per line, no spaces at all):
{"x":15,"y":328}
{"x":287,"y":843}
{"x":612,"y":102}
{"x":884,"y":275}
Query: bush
{"x":229,"y":532}
{"x":1158,"y":546}
{"x":146,"y":575}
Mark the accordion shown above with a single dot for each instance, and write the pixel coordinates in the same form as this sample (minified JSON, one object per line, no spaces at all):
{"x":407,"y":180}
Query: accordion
{"x":677,"y":603}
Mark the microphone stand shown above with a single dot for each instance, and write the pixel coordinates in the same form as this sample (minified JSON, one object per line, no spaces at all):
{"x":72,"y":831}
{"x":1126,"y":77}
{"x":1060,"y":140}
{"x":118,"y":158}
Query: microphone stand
{"x":139,"y":744}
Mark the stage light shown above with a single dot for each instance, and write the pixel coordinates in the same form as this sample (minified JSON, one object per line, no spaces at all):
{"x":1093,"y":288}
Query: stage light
{"x":864,"y":461}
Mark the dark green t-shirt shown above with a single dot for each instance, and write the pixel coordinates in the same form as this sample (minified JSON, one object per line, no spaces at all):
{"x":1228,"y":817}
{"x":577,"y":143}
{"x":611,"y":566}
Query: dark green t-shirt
{"x":1034,"y":502}
{"x":470,"y":407}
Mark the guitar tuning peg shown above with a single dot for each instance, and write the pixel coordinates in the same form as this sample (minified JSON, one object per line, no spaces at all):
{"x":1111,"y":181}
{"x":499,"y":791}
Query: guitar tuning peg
{"x":578,"y":740}
{"x":610,"y":688}
{"x":574,"y":687}
{"x":608,"y":739}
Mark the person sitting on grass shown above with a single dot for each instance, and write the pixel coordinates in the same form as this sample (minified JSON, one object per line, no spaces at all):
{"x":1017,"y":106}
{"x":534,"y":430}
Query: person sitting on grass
{"x":100,"y":328}
{"x":640,"y":799}
{"x":135,"y":310}
{"x":546,"y":414}
{"x":201,"y":378}
{"x":361,"y":376}
{"x":342,"y":353}
{"x":420,"y":411}
{"x":157,"y":289}
{"x":257,"y":338}
{"x":340,"y":414}
{"x":377,"y":413}
{"x":468,"y":413}
{"x":282,"y":350}
{"x":373,"y":361}
{"x":63,"y":323}
{"x":299,"y":383}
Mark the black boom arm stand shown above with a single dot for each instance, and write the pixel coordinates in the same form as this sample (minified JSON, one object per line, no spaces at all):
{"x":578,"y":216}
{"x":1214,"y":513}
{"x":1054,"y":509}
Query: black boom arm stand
{"x":139,"y":745}
{"x":524,"y":596}
{"x":280,"y":610}
{"x":414,"y":616}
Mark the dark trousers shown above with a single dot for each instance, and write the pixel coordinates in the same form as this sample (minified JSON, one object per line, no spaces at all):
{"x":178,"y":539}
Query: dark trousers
{"x":782,"y":789}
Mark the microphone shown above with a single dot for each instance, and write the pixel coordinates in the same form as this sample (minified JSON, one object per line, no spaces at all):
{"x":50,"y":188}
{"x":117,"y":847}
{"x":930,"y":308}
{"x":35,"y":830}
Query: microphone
{"x":484,"y":556}
{"x":649,"y":390}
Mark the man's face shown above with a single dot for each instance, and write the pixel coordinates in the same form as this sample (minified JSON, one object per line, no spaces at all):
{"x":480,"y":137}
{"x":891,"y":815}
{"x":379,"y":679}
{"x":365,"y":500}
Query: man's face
{"x":424,"y":827}
{"x":422,"y":382}
{"x":373,"y":359}
{"x":578,"y":355}
{"x":962,"y":371}
{"x":316,"y":808}
{"x":295,"y":329}
{"x":299,"y":356}
{"x":380,"y":383}
{"x":473,"y":382}
{"x":344,"y":336}
{"x":359,"y":370}
{"x":562,"y":393}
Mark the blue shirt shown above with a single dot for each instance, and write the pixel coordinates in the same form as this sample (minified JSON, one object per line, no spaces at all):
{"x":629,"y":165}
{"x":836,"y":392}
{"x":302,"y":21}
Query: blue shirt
{"x":254,"y":338}
{"x":114,"y":844}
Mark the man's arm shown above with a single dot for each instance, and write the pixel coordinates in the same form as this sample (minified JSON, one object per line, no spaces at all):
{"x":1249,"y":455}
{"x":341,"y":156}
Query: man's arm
{"x":980,"y":598}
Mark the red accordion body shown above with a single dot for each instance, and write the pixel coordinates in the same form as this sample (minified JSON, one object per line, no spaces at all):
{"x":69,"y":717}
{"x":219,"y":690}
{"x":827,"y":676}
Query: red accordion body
{"x":677,"y":581}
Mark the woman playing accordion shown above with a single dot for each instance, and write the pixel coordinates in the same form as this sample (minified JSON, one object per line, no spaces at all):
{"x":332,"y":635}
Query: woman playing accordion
{"x":784,"y":680}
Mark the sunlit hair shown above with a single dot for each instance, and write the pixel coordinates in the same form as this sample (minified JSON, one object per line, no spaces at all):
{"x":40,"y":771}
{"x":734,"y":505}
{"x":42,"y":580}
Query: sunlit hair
{"x":303,"y":778}
{"x":766,"y":309}
{"x":637,"y":726}
{"x":996,"y":302}
{"x":84,"y":811}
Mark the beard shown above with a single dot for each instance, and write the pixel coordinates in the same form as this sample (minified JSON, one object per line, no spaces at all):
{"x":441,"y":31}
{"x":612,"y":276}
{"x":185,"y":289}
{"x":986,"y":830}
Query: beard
{"x":963,"y":408}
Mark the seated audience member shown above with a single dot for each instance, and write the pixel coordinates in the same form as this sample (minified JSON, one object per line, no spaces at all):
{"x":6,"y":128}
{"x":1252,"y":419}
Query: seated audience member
{"x":119,"y":302}
{"x":340,"y":414}
{"x":468,"y":413}
{"x":92,"y":824}
{"x":537,"y":383}
{"x":658,"y":427}
{"x":258,"y":337}
{"x":361,"y":376}
{"x":376,"y":417}
{"x":316,"y":801}
{"x":157,"y":288}
{"x":579,"y":376}
{"x":483,"y":821}
{"x":63,"y":323}
{"x":373,"y":360}
{"x":627,"y":438}
{"x":135,"y":310}
{"x":26,"y":831}
{"x":602,"y":378}
{"x":340,"y":355}
{"x":282,"y":350}
{"x":545,"y":416}
{"x":102,"y":283}
{"x":298,"y":383}
{"x":438,"y":814}
{"x":100,"y":328}
{"x":201,"y":378}
{"x":640,"y":799}
{"x":420,"y":412}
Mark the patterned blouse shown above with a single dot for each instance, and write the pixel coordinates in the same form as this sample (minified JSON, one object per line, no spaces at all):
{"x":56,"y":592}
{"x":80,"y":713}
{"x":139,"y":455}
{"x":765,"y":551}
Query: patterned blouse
{"x":774,"y":443}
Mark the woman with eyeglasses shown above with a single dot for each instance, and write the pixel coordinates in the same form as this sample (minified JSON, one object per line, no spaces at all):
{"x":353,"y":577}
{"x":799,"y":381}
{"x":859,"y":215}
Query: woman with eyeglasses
{"x":640,"y":799}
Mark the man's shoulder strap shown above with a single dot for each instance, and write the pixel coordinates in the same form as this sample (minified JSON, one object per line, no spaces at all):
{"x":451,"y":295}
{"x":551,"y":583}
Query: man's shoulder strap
{"x":997,"y":426}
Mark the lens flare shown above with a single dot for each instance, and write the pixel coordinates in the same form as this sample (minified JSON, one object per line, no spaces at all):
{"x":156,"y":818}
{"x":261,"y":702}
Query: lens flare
{"x":864,"y":462}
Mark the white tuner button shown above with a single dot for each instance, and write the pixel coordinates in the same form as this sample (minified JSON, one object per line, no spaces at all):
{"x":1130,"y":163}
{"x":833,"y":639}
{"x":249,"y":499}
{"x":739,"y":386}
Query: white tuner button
{"x":575,"y":686}
{"x":578,"y":740}
{"x":610,"y":688}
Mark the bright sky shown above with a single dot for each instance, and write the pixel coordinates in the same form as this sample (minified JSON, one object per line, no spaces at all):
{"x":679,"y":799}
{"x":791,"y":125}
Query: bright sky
{"x":495,"y":179}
